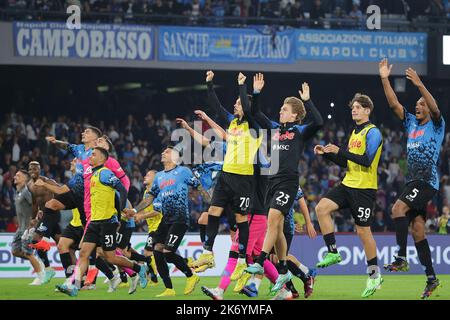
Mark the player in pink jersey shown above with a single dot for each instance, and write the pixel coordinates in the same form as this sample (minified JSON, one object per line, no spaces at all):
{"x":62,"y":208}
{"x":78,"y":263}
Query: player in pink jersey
{"x":112,"y":164}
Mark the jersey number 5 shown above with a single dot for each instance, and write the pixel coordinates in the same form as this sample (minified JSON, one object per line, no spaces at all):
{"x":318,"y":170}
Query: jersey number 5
{"x":414,"y":193}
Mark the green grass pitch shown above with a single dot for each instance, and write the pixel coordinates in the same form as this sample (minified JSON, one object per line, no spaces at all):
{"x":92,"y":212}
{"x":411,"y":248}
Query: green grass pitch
{"x":402,"y":287}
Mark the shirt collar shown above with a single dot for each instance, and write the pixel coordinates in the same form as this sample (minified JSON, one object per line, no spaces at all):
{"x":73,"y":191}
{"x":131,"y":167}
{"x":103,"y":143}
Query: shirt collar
{"x":288,"y":125}
{"x":359,"y":127}
{"x":97,"y":168}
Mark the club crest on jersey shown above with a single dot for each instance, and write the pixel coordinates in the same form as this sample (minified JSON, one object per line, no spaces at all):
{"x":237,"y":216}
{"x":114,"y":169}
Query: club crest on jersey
{"x":285,"y":136}
{"x":88,"y":170}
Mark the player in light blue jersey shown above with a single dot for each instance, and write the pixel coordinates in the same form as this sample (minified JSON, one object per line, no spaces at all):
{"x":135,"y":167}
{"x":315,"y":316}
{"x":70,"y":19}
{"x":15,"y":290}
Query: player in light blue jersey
{"x":172,"y":186}
{"x":425,"y":131}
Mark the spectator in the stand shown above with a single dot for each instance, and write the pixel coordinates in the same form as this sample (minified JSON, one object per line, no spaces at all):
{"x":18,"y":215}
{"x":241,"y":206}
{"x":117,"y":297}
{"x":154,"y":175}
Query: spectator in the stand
{"x":339,"y":13}
{"x":297,"y":11}
{"x":431,"y":217}
{"x":446,"y":189}
{"x":355,"y":13}
{"x":436,"y":8}
{"x":218,"y":8}
{"x":112,"y":133}
{"x":443,"y":223}
{"x":59,"y":129}
{"x":194,"y":8}
{"x":396,"y":148}
{"x":15,"y":150}
{"x":379,"y":224}
{"x":12,"y":225}
{"x":128,"y":156}
{"x":9,"y":175}
{"x":317,"y":11}
{"x":236,"y":9}
{"x":7,"y":209}
{"x":207,"y":9}
{"x":165,"y":122}
{"x":394,"y":169}
{"x":159,"y":8}
{"x":175,"y":7}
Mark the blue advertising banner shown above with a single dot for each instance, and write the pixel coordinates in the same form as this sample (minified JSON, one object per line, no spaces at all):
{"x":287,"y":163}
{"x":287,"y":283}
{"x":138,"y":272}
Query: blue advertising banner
{"x":92,"y":41}
{"x":309,"y":252}
{"x":343,"y":45}
{"x":225,"y":45}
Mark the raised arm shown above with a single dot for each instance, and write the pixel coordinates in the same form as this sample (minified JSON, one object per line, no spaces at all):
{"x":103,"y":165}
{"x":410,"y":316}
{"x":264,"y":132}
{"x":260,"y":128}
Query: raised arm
{"x":55,"y":188}
{"x":394,"y":104}
{"x":258,"y":85}
{"x":219,"y":131}
{"x":114,"y":165}
{"x":255,"y":109}
{"x":194,"y":134}
{"x":214,"y":102}
{"x":310,"y":129}
{"x":58,"y":143}
{"x":245,"y":103}
{"x":412,"y":75}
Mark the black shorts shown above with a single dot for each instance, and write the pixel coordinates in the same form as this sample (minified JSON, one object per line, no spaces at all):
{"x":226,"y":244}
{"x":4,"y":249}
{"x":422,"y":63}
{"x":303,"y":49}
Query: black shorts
{"x":49,"y":224}
{"x":71,"y":201}
{"x":234,"y":189}
{"x":280,"y":194}
{"x":416,"y":195}
{"x":149,"y":245}
{"x":74,"y":233}
{"x":361,"y":202}
{"x":102,"y":233}
{"x":123,"y":236}
{"x":170,"y":235}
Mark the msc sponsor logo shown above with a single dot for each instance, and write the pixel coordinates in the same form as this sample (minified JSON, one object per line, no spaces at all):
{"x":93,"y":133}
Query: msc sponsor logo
{"x":281,"y":147}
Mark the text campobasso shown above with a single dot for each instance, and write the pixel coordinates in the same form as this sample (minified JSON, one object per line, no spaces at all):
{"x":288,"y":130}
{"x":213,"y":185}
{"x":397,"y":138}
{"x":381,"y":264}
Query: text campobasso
{"x":114,"y":42}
